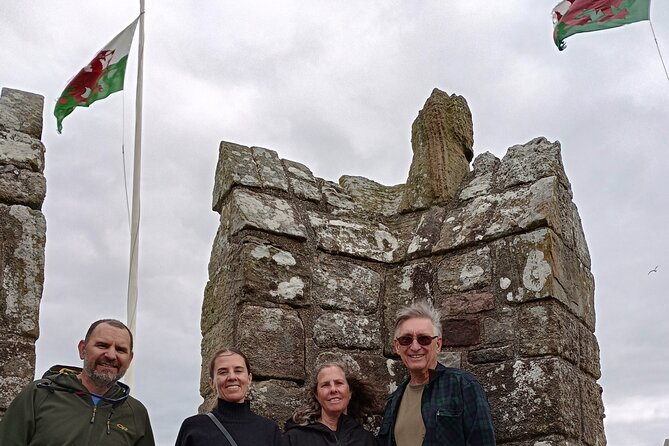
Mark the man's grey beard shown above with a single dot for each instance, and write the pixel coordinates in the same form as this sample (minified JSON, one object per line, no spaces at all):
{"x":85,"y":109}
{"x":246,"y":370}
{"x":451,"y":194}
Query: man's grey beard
{"x":105,"y":380}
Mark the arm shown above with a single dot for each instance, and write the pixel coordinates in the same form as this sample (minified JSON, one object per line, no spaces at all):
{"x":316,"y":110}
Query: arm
{"x":479,"y":430}
{"x":17,"y":427}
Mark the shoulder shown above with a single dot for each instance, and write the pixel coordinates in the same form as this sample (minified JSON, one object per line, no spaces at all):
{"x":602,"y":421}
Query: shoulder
{"x":451,"y":373}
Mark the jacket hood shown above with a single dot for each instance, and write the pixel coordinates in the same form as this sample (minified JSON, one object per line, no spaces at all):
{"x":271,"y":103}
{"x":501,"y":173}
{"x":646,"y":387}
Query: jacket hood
{"x":64,"y":378}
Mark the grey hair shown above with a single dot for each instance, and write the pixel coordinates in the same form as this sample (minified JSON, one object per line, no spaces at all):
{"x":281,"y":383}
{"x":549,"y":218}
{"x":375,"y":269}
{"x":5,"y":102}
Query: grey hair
{"x":422,"y":309}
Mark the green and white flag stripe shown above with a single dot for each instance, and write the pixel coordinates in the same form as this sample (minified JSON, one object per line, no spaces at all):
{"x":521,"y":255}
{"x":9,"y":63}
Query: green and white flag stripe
{"x":103,"y":76}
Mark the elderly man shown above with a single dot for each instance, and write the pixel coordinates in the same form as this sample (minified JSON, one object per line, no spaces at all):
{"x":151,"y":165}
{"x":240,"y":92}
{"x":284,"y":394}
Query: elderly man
{"x":82,"y":406}
{"x":436,"y":405}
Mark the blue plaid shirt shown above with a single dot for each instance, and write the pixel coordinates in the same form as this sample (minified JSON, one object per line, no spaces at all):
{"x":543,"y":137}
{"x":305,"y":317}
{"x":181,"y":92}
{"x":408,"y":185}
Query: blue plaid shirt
{"x":454,"y":407}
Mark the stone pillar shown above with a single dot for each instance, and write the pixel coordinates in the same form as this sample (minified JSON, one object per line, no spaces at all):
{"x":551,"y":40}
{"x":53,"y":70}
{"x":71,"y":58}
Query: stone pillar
{"x":23,"y":236}
{"x":304,"y":270}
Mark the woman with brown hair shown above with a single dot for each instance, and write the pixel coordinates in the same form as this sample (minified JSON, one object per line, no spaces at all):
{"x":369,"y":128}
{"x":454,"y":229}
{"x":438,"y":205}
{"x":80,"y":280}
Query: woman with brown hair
{"x":231,"y":422}
{"x":337,"y":403}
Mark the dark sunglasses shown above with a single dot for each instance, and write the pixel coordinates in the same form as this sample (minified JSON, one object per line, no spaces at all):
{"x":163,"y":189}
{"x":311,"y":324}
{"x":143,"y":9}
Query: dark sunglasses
{"x":422,"y":339}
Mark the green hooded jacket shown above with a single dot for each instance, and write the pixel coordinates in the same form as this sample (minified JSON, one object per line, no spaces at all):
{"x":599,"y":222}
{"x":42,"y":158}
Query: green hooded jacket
{"x":58,"y":410}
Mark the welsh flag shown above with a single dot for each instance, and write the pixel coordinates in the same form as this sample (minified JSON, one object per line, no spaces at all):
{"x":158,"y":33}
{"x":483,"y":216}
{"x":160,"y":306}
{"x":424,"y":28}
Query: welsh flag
{"x":103,"y":76}
{"x":581,"y":16}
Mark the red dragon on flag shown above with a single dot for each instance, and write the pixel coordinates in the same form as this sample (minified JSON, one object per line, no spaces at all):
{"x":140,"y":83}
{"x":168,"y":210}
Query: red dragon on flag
{"x":578,"y":16}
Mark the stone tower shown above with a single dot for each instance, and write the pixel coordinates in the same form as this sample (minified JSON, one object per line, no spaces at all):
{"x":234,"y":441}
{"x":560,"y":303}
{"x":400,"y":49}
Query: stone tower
{"x":22,"y":238}
{"x":303,"y":270}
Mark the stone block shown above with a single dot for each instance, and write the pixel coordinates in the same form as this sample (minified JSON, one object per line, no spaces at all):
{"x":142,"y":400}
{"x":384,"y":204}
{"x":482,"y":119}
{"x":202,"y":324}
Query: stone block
{"x":355,"y":238}
{"x":492,"y":354}
{"x":273,"y":340}
{"x":344,"y":330}
{"x":460,"y":332}
{"x":247,"y":210}
{"x":592,"y":412}
{"x":441,"y":139}
{"x":17,"y":366}
{"x":20,"y":186}
{"x":21,"y":111}
{"x":235,"y":167}
{"x":23,"y":237}
{"x":265,"y":272}
{"x":465,"y":303}
{"x":341,"y":285}
{"x":537,"y":265}
{"x":548,"y":328}
{"x":270,"y":169}
{"x":302,"y":181}
{"x":532,"y":398}
{"x":336,"y":197}
{"x":372,"y":197}
{"x":494,"y":216}
{"x":589,"y":360}
{"x":499,"y":329}
{"x":530,"y":162}
{"x":22,"y":152}
{"x":463,"y":272}
{"x":427,"y":231}
{"x":276,"y":399}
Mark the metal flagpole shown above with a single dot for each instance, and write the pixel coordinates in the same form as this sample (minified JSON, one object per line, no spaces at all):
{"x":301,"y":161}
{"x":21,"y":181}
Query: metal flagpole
{"x":136,"y":180}
{"x":658,"y":49}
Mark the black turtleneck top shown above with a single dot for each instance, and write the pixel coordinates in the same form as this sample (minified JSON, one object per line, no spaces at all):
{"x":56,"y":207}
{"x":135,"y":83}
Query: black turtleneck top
{"x":245,"y":427}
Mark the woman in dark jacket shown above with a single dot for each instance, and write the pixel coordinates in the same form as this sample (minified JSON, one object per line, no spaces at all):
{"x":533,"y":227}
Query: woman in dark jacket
{"x":230,"y":377}
{"x":337,"y":402}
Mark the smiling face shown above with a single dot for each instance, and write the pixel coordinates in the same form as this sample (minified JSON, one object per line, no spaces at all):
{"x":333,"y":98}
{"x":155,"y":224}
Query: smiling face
{"x":418,"y":359}
{"x":332,"y":391}
{"x":231,"y":378}
{"x":106,"y":356}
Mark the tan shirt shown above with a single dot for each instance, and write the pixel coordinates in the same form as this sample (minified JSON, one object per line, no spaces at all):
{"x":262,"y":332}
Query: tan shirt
{"x":409,"y":426}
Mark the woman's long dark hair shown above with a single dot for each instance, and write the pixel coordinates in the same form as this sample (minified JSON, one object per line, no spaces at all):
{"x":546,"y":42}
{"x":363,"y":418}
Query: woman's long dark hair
{"x":364,"y":396}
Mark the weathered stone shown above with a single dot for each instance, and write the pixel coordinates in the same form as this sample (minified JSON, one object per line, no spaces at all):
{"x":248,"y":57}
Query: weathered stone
{"x":336,"y":197}
{"x":22,"y":112}
{"x":592,"y":412}
{"x":268,"y":273}
{"x":263,"y":212}
{"x":485,"y":163}
{"x":275,"y":399}
{"x":498,"y":331}
{"x":335,"y":329}
{"x":589,"y":352}
{"x":528,"y":163}
{"x":270,"y":169}
{"x":493,"y":354}
{"x":16,"y":366}
{"x":461,"y":332}
{"x":441,"y":138}
{"x":21,"y":186}
{"x":538,"y":265}
{"x":465,"y":303}
{"x":427,"y":232}
{"x":22,"y":152}
{"x":532,"y":398}
{"x":450,"y":359}
{"x":355,"y":238}
{"x":276,"y":331}
{"x":346,"y":286}
{"x":547,"y":328}
{"x":371,"y":196}
{"x":481,"y":179}
{"x":302,"y":181}
{"x":23,"y":236}
{"x":235,"y":167}
{"x":464,"y":272}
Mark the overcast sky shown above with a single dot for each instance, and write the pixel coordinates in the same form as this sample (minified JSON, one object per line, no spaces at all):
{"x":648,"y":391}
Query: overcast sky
{"x":336,"y":86}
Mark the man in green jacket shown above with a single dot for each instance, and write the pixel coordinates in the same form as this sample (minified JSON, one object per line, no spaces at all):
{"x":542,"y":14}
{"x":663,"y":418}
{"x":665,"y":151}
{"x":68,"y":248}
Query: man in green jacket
{"x":82,"y":406}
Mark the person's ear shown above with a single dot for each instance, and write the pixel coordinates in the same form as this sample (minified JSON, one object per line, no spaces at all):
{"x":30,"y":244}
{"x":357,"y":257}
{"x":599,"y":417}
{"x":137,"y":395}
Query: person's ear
{"x":81,"y":347}
{"x":212,"y":385}
{"x":250,"y":377}
{"x":439,"y":344}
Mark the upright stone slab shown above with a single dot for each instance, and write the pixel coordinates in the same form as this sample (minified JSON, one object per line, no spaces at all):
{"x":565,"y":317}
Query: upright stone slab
{"x":22,"y":238}
{"x":305,"y":270}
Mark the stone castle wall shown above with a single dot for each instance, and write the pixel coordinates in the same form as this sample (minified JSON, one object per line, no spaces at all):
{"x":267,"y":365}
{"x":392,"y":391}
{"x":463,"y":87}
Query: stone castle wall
{"x":22,"y":238}
{"x":304,"y":270}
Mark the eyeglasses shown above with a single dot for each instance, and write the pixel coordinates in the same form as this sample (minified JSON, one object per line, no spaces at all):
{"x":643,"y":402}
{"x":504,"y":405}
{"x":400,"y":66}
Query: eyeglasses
{"x":422,"y":339}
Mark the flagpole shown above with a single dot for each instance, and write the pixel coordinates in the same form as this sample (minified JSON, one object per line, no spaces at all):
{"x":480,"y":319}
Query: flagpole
{"x":658,"y":49}
{"x":136,"y":180}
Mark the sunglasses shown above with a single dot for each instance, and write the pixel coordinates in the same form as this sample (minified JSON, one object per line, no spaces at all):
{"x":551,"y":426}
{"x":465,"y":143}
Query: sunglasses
{"x":422,"y":339}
